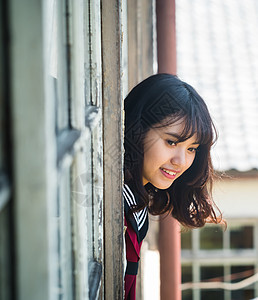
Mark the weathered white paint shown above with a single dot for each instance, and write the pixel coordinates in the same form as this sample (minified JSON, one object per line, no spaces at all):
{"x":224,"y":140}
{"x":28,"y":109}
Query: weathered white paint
{"x":50,"y":72}
{"x":63,"y":220}
{"x":82,"y":222}
{"x":58,"y":59}
{"x":97,"y":136}
{"x":76,"y":57}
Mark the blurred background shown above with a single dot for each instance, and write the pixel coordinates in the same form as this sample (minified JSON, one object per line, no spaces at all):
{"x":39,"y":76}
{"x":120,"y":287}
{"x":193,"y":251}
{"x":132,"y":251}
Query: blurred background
{"x":217,"y":52}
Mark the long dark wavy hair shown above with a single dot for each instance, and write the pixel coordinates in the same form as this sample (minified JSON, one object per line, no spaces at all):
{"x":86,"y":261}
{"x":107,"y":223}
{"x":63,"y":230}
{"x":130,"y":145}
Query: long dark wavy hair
{"x":161,"y":100}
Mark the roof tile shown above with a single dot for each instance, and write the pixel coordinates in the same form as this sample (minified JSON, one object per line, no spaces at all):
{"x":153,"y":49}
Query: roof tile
{"x":217,"y":51}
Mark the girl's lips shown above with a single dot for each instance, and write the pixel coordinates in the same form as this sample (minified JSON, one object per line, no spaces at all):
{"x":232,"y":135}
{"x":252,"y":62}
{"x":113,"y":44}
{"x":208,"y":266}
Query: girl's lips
{"x":168,"y":173}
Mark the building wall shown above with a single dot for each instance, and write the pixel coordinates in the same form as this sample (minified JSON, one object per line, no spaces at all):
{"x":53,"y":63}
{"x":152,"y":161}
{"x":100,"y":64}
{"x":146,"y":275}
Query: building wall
{"x":237,"y":196}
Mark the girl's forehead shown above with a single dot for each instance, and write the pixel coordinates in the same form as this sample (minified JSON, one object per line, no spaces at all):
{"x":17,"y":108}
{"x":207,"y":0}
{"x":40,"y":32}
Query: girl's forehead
{"x":177,"y":129}
{"x":175,"y":125}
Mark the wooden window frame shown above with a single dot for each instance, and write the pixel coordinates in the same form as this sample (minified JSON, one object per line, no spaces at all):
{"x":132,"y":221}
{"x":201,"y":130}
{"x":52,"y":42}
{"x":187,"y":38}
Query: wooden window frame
{"x":198,"y":257}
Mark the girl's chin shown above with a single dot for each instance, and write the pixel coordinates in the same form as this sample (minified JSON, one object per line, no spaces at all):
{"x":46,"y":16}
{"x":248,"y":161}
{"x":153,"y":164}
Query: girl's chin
{"x":161,"y":186}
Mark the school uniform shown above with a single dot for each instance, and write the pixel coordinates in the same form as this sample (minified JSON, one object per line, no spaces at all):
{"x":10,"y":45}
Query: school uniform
{"x":136,"y":224}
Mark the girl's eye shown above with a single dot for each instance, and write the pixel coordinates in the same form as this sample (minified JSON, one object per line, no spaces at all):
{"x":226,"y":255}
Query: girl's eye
{"x":171,"y":143}
{"x":194,"y":150}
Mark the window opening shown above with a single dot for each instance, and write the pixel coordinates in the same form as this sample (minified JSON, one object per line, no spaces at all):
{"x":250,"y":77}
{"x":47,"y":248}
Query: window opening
{"x":241,"y":237}
{"x":186,"y":240}
{"x":211,"y":238}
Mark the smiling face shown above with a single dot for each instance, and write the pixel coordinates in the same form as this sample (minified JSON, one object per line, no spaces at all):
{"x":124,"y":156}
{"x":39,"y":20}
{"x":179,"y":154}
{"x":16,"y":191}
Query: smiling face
{"x":165,"y":159}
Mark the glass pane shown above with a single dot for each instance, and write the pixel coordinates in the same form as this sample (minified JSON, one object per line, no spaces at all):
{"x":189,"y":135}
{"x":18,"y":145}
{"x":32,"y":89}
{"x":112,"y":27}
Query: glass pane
{"x":239,"y":273}
{"x":242,"y":295}
{"x":186,"y":240}
{"x":187,"y":274}
{"x":212,"y":272}
{"x":212,"y":294}
{"x":241,"y":237}
{"x":187,"y":295}
{"x":211,"y":237}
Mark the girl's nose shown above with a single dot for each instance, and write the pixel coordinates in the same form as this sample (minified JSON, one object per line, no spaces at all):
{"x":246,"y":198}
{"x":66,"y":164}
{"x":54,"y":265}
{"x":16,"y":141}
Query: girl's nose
{"x":178,"y":158}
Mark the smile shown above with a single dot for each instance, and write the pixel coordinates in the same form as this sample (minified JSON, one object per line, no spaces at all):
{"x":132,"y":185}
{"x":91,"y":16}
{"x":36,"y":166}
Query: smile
{"x":168,"y":171}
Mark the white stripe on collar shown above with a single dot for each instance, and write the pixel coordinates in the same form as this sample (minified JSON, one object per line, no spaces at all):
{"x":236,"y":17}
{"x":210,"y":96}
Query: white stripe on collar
{"x":139,"y":216}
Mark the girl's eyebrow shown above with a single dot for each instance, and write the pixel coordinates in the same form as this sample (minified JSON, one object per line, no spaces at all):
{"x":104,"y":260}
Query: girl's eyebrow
{"x":177,"y":136}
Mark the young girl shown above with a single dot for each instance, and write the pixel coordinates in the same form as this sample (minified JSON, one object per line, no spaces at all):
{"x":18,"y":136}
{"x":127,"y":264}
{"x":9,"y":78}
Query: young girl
{"x":168,"y":169}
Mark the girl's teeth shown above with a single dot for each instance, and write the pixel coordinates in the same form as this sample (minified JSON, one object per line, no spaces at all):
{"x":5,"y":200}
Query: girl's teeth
{"x":169,"y":172}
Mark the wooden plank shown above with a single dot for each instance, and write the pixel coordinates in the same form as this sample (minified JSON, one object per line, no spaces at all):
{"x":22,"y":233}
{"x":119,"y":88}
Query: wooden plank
{"x":29,"y":138}
{"x":141,"y":45}
{"x":96,"y":129}
{"x":147,"y":35}
{"x":113,"y":173}
{"x":97,"y":135}
{"x":82,"y":166}
{"x":124,"y":64}
{"x":132,"y":24}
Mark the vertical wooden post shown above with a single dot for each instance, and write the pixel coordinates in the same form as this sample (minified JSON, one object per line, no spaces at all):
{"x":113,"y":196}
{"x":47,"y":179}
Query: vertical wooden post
{"x":133,"y":43}
{"x":113,"y":173}
{"x":166,"y":36}
{"x":170,"y":265}
{"x":169,"y":231}
{"x":140,"y":40}
{"x":33,"y":143}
